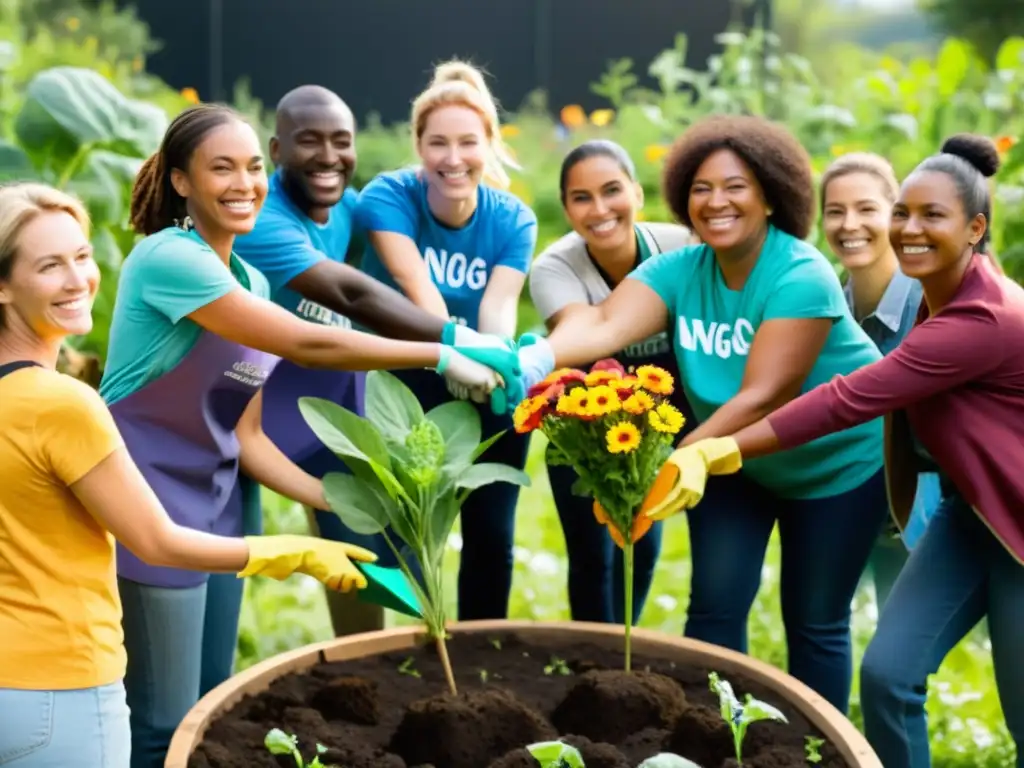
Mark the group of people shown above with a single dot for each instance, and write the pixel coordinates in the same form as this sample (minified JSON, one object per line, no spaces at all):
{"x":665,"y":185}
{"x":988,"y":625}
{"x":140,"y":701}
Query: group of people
{"x":246,"y":293}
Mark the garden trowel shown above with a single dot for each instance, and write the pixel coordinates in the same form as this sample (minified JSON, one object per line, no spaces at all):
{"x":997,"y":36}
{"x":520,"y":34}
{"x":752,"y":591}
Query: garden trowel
{"x":389,"y":588}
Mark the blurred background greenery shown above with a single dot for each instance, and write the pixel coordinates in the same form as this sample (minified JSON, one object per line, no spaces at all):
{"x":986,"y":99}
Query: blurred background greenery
{"x":78,"y":109}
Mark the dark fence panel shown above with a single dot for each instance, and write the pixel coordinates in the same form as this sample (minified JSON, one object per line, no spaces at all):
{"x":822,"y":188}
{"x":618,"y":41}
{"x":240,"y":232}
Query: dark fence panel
{"x":378,"y":54}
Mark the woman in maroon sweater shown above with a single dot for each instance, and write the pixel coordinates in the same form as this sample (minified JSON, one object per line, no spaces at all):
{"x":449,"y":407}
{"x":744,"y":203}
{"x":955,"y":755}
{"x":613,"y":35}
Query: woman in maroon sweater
{"x":954,"y":390}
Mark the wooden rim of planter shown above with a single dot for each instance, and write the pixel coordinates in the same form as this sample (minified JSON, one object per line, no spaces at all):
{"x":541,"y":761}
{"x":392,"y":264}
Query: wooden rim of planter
{"x":834,"y":726}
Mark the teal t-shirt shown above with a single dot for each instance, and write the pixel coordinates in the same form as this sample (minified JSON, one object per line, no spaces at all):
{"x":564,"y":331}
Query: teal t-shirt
{"x":714,"y":328}
{"x":166,"y":277}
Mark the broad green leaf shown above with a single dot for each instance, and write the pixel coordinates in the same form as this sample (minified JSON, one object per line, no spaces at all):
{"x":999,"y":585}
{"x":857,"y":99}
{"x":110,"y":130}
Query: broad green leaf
{"x":391,"y":405}
{"x":14,"y":163}
{"x":1011,"y":54}
{"x":356,"y":503}
{"x":478,"y":475}
{"x":344,"y":432}
{"x":442,"y":520}
{"x":459,"y":422}
{"x":754,"y":710}
{"x":482,"y":448}
{"x":556,"y":754}
{"x":952,"y":65}
{"x":667,"y":760}
{"x":727,"y":701}
{"x":278,"y":742}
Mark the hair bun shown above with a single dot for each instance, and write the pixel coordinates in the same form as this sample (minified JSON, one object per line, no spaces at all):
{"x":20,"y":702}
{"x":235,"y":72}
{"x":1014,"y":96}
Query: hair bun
{"x":456,"y":71}
{"x":977,"y":150}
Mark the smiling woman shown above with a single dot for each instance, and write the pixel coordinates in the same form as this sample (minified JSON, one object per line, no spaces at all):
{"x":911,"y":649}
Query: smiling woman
{"x":192,"y":341}
{"x":758,"y":317}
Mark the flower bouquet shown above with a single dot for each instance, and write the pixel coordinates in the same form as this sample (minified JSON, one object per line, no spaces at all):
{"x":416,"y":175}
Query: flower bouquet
{"x":615,"y":428}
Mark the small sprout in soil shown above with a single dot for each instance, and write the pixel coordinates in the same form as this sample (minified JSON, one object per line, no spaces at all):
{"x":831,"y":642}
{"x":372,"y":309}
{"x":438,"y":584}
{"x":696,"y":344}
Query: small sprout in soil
{"x":496,"y":642}
{"x":556,"y":754}
{"x":483,"y":676}
{"x":278,"y":742}
{"x":667,"y":760}
{"x":408,"y":667}
{"x":557,"y":667}
{"x":812,"y":747}
{"x":740,"y":715}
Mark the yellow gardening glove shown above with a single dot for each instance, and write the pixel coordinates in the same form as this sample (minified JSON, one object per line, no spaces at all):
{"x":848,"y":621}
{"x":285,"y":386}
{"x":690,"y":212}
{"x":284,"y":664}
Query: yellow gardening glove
{"x":329,"y":562}
{"x":682,"y":479}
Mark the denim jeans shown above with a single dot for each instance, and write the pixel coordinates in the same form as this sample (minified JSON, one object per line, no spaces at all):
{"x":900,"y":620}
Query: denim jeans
{"x":825,"y":548}
{"x":891,"y":552}
{"x":595,"y":562}
{"x":83,"y":728}
{"x":180,"y":643}
{"x":957,"y":575}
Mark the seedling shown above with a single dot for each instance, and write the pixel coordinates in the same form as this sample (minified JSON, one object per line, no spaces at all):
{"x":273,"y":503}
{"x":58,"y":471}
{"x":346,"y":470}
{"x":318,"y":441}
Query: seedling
{"x":812,"y":747}
{"x":411,"y":473}
{"x":740,"y":715}
{"x":557,"y":667}
{"x":408,"y":667}
{"x":496,"y":642}
{"x":558,"y":754}
{"x":278,"y":742}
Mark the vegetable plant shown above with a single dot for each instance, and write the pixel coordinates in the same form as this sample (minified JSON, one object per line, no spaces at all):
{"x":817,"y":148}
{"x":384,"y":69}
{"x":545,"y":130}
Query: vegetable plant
{"x":739,"y":715}
{"x":411,"y":473}
{"x":278,"y":742}
{"x":558,"y":754}
{"x":812,"y":748}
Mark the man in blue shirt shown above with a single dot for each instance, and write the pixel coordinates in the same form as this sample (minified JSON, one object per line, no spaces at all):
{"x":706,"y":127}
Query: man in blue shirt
{"x":301,"y":242}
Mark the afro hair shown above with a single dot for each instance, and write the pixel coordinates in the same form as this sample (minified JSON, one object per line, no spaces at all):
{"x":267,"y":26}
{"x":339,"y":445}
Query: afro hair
{"x":777,"y":160}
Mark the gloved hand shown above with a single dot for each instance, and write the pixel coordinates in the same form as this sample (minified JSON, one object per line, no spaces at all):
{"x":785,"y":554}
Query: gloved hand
{"x":536,"y":361}
{"x":456,"y":390}
{"x":458,"y":335}
{"x":680,"y":483}
{"x":480,"y":380}
{"x":329,"y":562}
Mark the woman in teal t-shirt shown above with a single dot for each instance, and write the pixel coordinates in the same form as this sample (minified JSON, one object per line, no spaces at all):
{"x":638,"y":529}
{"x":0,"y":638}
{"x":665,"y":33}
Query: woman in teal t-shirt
{"x":192,"y":340}
{"x":758,"y":316}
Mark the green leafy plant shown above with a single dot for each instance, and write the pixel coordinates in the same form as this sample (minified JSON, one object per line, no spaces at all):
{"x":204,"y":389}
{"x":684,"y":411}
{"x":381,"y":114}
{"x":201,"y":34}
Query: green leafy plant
{"x":558,"y":754}
{"x":278,"y":742}
{"x":411,"y":473}
{"x":739,"y":715}
{"x":812,"y":748}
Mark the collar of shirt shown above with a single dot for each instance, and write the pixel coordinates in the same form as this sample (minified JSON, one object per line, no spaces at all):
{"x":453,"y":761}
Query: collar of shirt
{"x":889,"y":311}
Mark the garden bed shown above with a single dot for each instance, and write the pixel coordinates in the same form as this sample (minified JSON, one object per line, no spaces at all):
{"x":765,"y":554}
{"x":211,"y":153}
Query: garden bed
{"x":517,"y":686}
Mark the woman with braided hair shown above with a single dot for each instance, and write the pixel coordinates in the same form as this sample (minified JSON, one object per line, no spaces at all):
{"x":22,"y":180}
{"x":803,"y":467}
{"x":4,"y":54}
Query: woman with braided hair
{"x":192,"y":340}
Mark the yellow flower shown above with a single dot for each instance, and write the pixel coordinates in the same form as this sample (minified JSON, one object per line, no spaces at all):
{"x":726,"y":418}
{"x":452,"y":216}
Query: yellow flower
{"x":72,"y":24}
{"x":837,"y":150}
{"x":600,"y":377}
{"x":638,"y":403}
{"x":666,"y":418}
{"x":573,"y":116}
{"x":655,"y":152}
{"x":601,"y":117}
{"x":575,"y":402}
{"x":510,"y":131}
{"x":623,"y":438}
{"x":603,"y":399}
{"x":529,"y":414}
{"x":191,"y":95}
{"x":655,"y":379}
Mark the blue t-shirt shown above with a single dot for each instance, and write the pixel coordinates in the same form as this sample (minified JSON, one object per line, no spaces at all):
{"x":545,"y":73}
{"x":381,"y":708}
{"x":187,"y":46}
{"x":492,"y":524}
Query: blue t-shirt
{"x":166,"y":277}
{"x":501,"y":232}
{"x":285,"y":243}
{"x":715,"y":328}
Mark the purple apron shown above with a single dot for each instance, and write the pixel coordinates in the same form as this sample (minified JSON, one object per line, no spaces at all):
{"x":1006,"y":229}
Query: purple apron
{"x":180,"y":431}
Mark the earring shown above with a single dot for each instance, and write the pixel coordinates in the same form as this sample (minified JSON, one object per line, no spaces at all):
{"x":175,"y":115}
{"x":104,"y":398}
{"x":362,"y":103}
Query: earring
{"x":185,"y":224}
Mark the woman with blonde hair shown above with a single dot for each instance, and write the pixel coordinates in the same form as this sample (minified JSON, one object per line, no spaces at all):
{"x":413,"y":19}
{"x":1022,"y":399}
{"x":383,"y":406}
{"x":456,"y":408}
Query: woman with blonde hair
{"x":858,"y":192}
{"x":70,"y":488}
{"x":450,"y":237}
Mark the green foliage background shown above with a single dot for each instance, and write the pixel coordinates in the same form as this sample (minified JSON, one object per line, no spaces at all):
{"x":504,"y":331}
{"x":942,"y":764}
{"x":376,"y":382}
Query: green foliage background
{"x":78,"y":109}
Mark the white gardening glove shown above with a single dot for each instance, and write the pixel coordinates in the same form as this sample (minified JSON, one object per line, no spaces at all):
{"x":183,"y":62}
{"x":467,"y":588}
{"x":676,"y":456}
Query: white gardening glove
{"x":477,"y":378}
{"x":455,"y":389}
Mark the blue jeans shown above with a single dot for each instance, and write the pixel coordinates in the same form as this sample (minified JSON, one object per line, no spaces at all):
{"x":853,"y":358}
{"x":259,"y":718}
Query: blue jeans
{"x":891,"y":552}
{"x":957,"y":575}
{"x":595,"y":562}
{"x":180,"y":643}
{"x":825,"y":548}
{"x":84,"y":728}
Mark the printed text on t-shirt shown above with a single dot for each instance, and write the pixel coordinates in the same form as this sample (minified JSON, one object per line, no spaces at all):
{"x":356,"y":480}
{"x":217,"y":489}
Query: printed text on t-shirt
{"x":719,"y":339}
{"x":456,"y":270}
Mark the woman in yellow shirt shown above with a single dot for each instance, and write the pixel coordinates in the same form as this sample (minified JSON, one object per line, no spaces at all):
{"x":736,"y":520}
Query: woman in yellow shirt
{"x":69,"y":489}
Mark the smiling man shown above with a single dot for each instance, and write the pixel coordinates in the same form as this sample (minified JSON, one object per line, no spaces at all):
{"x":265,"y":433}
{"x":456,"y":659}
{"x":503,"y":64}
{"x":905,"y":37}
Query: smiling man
{"x":300,"y":243}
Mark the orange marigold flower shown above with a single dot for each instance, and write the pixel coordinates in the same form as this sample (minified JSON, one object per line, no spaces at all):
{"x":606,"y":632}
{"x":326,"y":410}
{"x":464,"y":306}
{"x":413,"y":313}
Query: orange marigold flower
{"x":1005,"y":143}
{"x":655,"y":379}
{"x":191,"y":95}
{"x":529,"y":414}
{"x":573,"y":116}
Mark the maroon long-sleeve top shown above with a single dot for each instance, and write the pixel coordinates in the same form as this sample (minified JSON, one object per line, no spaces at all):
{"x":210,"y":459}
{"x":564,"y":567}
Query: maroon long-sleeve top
{"x":957,"y":381}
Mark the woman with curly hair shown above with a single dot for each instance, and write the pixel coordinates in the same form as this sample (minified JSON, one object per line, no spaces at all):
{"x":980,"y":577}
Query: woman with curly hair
{"x":953,"y":391}
{"x":758,"y":316}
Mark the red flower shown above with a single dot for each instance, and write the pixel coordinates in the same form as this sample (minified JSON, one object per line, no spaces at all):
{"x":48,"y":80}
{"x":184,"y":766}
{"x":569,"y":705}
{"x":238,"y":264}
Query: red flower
{"x":563,"y":377}
{"x":609,"y":364}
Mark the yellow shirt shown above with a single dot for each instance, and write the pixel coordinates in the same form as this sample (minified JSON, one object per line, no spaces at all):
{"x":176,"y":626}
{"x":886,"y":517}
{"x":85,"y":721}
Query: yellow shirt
{"x":60,"y":613}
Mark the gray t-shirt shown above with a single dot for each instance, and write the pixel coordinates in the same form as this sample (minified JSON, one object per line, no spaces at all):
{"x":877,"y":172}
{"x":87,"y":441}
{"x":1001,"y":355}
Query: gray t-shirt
{"x":565,"y":274}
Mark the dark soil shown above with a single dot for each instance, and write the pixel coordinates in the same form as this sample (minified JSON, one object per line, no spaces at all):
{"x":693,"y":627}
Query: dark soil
{"x":393,"y":711}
